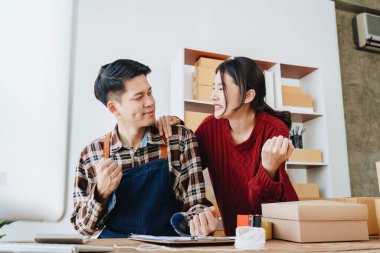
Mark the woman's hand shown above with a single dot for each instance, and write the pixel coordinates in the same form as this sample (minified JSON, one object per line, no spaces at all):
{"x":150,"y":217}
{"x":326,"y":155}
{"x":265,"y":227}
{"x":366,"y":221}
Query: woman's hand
{"x":275,"y":151}
{"x":165,"y":123}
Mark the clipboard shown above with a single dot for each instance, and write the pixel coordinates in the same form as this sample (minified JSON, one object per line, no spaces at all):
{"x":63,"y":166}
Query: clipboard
{"x":183,"y":241}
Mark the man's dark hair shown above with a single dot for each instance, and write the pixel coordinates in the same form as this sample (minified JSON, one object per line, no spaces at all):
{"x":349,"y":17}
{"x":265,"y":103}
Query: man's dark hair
{"x":111,"y":77}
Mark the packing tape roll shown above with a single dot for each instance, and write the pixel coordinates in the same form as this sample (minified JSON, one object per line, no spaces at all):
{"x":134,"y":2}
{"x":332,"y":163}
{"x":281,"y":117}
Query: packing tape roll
{"x":250,"y":238}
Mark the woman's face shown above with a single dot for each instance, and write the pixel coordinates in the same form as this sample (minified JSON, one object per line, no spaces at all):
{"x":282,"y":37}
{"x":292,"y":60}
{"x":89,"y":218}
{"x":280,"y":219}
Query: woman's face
{"x":217,"y":96}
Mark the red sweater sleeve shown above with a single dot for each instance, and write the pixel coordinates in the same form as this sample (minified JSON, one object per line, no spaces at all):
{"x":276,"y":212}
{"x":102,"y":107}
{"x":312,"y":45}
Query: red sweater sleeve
{"x":262,"y":189}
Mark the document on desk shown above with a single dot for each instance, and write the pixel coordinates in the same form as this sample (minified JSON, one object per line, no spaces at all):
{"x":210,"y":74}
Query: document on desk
{"x":183,"y":240}
{"x":52,"y":248}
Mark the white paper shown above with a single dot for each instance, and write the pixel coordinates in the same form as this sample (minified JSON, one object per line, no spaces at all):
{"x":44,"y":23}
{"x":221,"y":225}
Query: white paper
{"x":269,"y":87}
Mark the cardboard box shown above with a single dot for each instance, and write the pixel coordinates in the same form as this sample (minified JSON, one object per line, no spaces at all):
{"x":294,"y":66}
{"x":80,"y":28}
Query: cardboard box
{"x":378,"y":173}
{"x":204,"y":76}
{"x":370,"y":202}
{"x":268,"y":229}
{"x":292,"y":89}
{"x":202,"y":92}
{"x":307,"y":191}
{"x":306,"y":155}
{"x":208,"y":62}
{"x":317,"y":221}
{"x":297,"y":99}
{"x":194,"y":119}
{"x":377,"y":210}
{"x":371,"y":207}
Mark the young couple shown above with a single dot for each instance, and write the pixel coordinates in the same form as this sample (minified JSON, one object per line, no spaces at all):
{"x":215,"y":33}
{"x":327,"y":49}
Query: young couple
{"x":145,"y":176}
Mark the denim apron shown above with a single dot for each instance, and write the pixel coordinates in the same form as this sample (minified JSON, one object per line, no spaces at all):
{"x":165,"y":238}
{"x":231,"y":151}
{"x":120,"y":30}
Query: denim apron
{"x":145,"y":201}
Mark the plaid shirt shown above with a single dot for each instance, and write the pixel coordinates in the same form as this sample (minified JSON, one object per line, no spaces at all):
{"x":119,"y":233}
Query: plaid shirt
{"x":89,"y":215}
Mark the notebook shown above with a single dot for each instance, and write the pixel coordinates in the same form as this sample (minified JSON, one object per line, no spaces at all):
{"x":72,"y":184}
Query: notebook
{"x":61,"y":238}
{"x":178,"y":240}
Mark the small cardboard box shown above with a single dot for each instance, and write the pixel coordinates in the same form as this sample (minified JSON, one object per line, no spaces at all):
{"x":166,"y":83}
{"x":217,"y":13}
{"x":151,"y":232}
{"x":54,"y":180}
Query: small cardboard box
{"x":194,"y":119}
{"x":307,"y":191}
{"x":317,"y":221}
{"x":268,"y":229}
{"x":208,"y":62}
{"x":292,"y":89}
{"x":297,"y":99}
{"x":306,"y":155}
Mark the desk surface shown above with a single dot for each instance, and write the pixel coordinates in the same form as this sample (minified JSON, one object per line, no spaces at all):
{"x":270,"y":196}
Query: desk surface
{"x":372,"y":245}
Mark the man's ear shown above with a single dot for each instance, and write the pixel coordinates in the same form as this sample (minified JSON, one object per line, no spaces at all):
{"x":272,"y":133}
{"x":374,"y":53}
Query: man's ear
{"x":113,"y":107}
{"x":250,"y":96}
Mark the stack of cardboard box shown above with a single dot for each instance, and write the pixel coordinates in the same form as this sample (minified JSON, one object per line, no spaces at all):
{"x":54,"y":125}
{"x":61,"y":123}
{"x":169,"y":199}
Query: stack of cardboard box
{"x":310,"y":191}
{"x":317,"y":221}
{"x":203,"y":77}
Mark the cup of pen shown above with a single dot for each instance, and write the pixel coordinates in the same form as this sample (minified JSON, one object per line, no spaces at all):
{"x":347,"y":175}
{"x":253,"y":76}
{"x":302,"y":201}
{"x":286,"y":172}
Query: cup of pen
{"x":297,"y":141}
{"x":296,"y":137}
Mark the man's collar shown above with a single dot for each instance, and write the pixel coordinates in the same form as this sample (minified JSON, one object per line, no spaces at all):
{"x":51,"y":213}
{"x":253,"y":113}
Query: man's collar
{"x":152,"y":134}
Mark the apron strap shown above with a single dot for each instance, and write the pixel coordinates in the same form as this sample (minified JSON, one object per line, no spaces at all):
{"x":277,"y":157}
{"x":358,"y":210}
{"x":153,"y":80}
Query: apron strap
{"x":106,"y":148}
{"x":164,"y":150}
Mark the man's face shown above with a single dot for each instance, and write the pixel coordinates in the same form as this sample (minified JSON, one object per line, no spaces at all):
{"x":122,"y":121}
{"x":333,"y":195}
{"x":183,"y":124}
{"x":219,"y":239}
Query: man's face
{"x":136,"y":106}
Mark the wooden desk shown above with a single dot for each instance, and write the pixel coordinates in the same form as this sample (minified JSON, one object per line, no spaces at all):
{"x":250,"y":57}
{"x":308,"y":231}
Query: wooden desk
{"x":372,"y":245}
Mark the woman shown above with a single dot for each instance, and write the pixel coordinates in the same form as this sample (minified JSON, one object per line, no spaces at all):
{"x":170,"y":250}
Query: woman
{"x":244,"y":144}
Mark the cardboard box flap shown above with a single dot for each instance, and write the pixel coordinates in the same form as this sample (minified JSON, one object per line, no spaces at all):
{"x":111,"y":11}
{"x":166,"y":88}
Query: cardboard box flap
{"x":314,"y":210}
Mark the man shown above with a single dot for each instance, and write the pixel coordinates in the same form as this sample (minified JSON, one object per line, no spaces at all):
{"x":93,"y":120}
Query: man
{"x":132,"y":180}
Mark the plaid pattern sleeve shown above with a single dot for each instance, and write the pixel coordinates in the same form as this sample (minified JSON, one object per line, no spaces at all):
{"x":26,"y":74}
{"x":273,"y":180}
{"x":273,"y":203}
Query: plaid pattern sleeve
{"x":89,"y":214}
{"x":189,"y":184}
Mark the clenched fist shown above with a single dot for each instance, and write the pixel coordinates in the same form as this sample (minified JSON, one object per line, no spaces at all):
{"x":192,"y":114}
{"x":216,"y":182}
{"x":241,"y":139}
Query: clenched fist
{"x":275,"y":151}
{"x":108,"y":176}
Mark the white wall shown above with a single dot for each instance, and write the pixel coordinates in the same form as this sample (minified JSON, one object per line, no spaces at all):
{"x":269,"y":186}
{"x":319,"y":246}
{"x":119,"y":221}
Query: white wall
{"x":292,"y":31}
{"x":35,"y":39}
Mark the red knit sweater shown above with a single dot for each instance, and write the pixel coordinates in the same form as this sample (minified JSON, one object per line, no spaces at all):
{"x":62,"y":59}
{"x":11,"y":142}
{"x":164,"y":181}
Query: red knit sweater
{"x":238,"y":177}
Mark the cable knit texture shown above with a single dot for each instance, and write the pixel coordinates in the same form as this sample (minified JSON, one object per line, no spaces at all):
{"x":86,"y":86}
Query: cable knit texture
{"x":240,"y":182}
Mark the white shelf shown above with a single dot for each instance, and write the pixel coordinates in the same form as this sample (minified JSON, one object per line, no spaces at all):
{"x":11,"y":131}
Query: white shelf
{"x":198,"y":101}
{"x":316,"y":136}
{"x":296,"y":165}
{"x":301,"y":117}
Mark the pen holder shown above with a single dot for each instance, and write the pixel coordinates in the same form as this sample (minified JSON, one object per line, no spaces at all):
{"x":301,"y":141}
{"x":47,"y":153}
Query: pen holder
{"x":297,"y":141}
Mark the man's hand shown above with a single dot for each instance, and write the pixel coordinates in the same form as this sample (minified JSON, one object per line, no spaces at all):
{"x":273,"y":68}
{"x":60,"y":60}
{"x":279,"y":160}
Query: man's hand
{"x":108,"y":176}
{"x":275,"y":151}
{"x":165,"y":123}
{"x":204,"y":223}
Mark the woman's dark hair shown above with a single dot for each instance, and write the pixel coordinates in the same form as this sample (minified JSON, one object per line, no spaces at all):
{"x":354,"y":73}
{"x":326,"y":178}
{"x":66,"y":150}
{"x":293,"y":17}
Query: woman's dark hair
{"x":111,"y":78}
{"x":247,"y":75}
